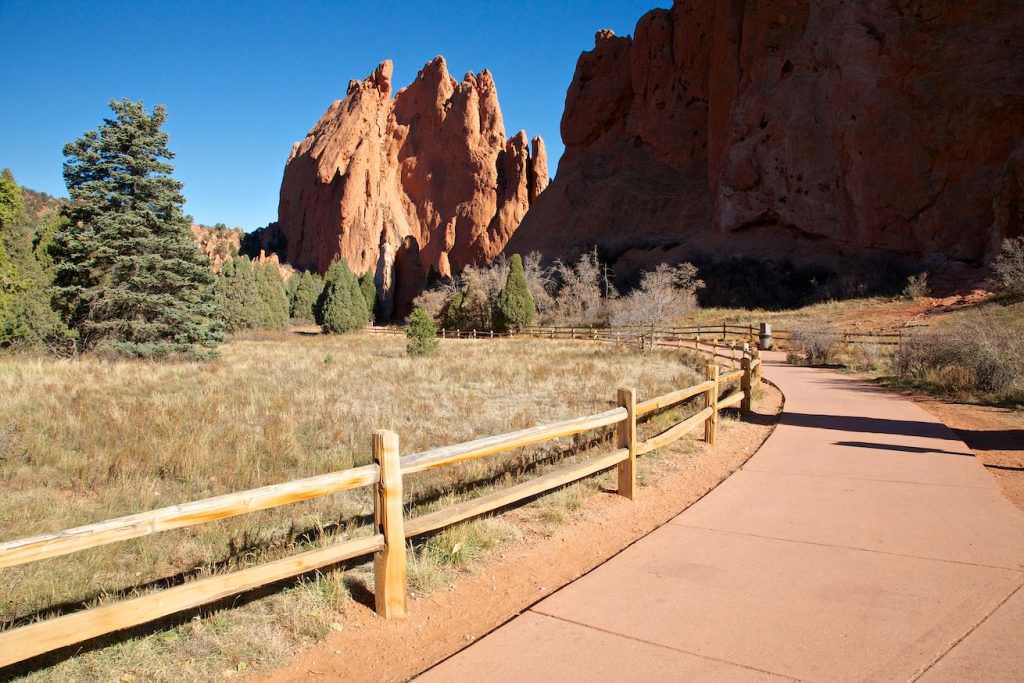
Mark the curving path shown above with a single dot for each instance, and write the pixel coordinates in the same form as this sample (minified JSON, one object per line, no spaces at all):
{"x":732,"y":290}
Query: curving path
{"x":863,"y":541}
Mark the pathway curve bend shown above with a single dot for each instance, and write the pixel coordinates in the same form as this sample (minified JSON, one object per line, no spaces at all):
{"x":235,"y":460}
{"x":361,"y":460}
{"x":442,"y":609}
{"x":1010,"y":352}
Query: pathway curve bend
{"x":863,"y":541}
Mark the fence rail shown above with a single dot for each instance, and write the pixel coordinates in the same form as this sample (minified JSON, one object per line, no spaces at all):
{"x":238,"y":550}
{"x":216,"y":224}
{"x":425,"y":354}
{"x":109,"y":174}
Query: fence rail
{"x":391,"y":529}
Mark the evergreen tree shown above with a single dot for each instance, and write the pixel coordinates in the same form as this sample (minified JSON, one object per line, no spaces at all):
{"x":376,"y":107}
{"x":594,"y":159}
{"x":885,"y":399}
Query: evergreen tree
{"x":251,"y":296}
{"x":421,"y":333}
{"x":342,"y":307}
{"x":305,"y":294}
{"x":454,"y":315}
{"x":10,"y":278}
{"x":26,"y":318}
{"x":11,"y":202}
{"x":126,"y":268}
{"x":369,"y":290}
{"x":514,"y":309}
{"x":273,"y":298}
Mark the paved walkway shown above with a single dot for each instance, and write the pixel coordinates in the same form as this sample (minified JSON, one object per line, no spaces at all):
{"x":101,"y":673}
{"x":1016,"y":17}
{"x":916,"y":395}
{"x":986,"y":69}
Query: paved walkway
{"x":862,"y":542}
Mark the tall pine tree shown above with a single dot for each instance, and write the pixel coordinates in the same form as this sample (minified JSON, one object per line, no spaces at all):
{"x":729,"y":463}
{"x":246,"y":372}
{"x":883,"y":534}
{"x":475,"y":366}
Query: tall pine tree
{"x":127,"y":271}
{"x":26,"y":318}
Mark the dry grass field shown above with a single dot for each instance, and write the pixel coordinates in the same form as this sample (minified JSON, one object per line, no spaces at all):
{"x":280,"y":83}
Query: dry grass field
{"x":89,"y":439}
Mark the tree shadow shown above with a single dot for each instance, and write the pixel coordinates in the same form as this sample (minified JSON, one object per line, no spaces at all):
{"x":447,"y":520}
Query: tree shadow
{"x":870,"y":425}
{"x":995,"y":440}
{"x":897,"y":447}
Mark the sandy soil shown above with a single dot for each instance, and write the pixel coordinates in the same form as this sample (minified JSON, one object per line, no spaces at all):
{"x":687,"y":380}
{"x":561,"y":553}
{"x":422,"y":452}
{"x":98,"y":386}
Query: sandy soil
{"x":995,"y":435}
{"x":527,"y":570}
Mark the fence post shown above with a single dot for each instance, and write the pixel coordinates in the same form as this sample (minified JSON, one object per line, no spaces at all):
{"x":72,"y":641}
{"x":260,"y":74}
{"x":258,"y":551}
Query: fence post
{"x":725,"y":333}
{"x":389,"y":563}
{"x":626,"y":432}
{"x":746,"y":385}
{"x":711,"y":424}
{"x":757,"y":370}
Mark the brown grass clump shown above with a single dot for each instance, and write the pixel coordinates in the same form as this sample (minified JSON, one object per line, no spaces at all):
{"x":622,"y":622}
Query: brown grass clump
{"x":87,"y":440}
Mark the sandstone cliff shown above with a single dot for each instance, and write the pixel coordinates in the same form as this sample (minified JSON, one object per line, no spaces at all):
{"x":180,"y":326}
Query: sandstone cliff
{"x":424,"y":182}
{"x":811,"y":129}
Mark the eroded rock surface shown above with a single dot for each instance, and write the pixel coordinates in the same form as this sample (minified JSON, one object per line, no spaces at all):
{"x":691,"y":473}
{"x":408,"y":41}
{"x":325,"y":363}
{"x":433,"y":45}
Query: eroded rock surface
{"x":811,"y":129}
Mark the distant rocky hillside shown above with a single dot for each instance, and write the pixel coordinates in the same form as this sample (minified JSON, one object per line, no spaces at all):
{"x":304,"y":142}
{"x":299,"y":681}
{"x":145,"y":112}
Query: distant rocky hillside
{"x":818,"y":130}
{"x":405,"y":186}
{"x":38,"y":204}
{"x":220,"y":244}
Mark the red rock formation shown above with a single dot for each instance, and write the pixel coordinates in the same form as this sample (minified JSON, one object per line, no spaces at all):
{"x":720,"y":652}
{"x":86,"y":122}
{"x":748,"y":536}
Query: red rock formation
{"x":813,"y":129}
{"x":426,"y":181}
{"x":221,"y":244}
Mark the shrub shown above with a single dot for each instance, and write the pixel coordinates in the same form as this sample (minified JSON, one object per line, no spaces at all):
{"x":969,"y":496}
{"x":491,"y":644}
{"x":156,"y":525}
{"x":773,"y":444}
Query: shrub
{"x":1008,"y":267}
{"x":341,"y":307}
{"x":421,"y":332}
{"x":917,"y":286}
{"x":818,"y":343}
{"x":582,"y":291}
{"x":664,"y":293}
{"x":514,"y":308}
{"x":980,"y":359}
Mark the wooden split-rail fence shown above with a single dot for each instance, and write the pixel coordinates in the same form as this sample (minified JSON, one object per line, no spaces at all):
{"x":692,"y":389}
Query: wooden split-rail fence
{"x":728,"y":335}
{"x":391,"y":529}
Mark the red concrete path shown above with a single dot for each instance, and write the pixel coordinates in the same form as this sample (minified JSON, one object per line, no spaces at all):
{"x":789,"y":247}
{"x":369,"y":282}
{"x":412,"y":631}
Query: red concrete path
{"x":862,"y":542}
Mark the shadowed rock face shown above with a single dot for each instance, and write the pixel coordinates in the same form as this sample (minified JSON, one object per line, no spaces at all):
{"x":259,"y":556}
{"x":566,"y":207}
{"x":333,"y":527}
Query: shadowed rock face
{"x":405,"y":186}
{"x":811,"y":129}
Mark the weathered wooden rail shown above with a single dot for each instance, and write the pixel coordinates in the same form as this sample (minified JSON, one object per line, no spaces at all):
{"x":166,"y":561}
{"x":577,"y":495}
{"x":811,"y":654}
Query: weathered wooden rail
{"x":387,"y":542}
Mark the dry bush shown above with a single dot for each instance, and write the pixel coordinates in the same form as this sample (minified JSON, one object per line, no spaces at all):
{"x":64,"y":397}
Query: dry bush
{"x":664,"y":294}
{"x":539,"y":282}
{"x":434,"y":300}
{"x":978,"y":360}
{"x":1008,"y":267}
{"x":816,"y":344}
{"x":866,"y":356}
{"x":917,"y":286}
{"x":480,"y":287}
{"x":583,"y":290}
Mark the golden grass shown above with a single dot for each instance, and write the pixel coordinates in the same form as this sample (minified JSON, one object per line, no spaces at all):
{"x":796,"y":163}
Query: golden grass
{"x":869,"y":313}
{"x":91,"y":439}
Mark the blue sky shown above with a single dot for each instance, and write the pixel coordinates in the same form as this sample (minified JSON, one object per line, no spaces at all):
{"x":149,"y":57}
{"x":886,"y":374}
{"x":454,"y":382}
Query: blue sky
{"x":243,"y":81}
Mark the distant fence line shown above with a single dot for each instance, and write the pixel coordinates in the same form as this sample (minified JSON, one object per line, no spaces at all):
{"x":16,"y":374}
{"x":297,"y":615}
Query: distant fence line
{"x":391,"y":529}
{"x":648,"y":336}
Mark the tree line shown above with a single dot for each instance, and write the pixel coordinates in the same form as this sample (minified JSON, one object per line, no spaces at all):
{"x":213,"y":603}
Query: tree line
{"x":579,"y":292}
{"x":115,"y":268}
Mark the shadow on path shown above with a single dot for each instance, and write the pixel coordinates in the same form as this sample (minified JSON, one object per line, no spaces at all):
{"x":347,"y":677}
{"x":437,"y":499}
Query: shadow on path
{"x":901,"y":449}
{"x":871,"y":425}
